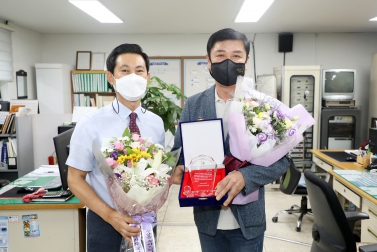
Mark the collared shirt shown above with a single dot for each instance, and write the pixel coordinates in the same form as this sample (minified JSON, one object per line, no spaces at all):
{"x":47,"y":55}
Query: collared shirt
{"x":102,"y":125}
{"x":227,"y":221}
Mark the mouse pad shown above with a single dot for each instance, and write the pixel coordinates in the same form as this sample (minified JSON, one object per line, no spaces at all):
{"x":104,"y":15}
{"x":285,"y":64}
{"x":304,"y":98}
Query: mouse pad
{"x":12,"y":193}
{"x":339,"y":156}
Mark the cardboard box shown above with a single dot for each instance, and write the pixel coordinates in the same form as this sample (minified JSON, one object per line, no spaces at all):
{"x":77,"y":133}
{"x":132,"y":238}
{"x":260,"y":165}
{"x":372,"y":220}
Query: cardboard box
{"x":201,"y":139}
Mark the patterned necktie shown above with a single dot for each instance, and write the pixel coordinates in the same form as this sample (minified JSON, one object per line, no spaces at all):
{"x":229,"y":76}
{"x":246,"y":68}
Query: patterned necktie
{"x":133,"y":126}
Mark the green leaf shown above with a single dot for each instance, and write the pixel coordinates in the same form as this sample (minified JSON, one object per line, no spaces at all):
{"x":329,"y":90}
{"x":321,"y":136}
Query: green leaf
{"x":165,"y":104}
{"x":126,"y":133}
{"x":171,"y":161}
{"x":129,"y":150}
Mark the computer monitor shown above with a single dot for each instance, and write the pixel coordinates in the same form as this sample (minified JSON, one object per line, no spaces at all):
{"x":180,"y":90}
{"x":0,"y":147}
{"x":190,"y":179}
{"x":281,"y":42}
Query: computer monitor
{"x":61,"y":143}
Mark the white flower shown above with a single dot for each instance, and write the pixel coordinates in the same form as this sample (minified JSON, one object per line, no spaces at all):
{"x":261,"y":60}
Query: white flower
{"x":256,"y":121}
{"x":157,"y":160}
{"x":150,"y":171}
{"x":141,"y":165}
{"x":159,"y":146}
{"x":265,"y":126}
{"x":125,"y":138}
{"x":253,"y":129}
{"x":164,"y":169}
{"x":107,"y":149}
{"x":135,"y":145}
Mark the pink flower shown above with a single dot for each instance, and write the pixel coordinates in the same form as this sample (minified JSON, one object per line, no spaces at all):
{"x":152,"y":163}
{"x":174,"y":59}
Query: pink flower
{"x":129,"y":164}
{"x":254,"y":104}
{"x":111,"y":162}
{"x":125,"y":151}
{"x":142,"y":148}
{"x":118,"y":146}
{"x":152,"y":180}
{"x":135,"y":137}
{"x":141,"y":140}
{"x":148,"y":144}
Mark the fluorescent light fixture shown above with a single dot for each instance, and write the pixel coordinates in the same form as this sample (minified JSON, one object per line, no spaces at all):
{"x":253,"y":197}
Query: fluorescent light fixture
{"x":252,"y":10}
{"x":373,"y":19}
{"x":96,"y":10}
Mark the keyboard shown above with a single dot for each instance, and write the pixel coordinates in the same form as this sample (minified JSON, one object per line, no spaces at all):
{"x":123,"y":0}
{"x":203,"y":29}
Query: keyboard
{"x":53,"y":184}
{"x":56,"y":194}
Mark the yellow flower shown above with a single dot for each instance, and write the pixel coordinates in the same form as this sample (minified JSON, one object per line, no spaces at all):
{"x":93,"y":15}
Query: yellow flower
{"x":260,"y":115}
{"x":145,"y":154}
{"x":136,"y":150}
{"x":267,"y":106}
{"x":121,"y":159}
{"x":288,"y":123}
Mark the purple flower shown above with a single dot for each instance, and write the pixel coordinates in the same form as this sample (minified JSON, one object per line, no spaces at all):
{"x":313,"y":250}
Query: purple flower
{"x":114,"y":155}
{"x":278,"y":114}
{"x":291,"y":131}
{"x":262,"y":137}
{"x":118,"y":175}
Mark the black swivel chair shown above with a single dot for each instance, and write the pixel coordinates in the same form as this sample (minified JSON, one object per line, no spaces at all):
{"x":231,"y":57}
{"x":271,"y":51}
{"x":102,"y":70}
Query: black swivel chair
{"x":333,"y":228}
{"x":289,"y":185}
{"x":4,"y":182}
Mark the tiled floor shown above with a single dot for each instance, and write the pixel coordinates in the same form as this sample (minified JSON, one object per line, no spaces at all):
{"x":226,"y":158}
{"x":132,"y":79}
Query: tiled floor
{"x":177,"y":231}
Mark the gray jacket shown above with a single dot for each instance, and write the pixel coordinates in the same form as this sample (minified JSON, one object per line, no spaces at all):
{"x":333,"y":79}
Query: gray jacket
{"x":251,"y":217}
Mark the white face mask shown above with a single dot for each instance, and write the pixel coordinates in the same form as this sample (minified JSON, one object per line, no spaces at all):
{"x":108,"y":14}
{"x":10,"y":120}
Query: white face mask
{"x":131,"y":87}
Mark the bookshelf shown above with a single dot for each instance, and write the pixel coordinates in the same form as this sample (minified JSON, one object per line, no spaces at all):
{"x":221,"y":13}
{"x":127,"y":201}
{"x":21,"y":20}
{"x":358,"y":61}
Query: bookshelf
{"x":24,"y":149}
{"x":90,"y":89}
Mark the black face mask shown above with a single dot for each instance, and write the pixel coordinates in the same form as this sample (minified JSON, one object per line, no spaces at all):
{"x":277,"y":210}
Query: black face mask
{"x":226,"y":72}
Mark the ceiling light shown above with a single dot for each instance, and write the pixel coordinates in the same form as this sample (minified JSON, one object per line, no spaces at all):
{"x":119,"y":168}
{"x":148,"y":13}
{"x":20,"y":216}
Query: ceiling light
{"x":252,"y":10}
{"x":373,"y":19}
{"x":96,"y":10}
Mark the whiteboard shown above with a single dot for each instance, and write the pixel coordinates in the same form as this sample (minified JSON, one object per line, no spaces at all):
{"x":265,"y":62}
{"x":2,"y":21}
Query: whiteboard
{"x":169,"y":71}
{"x":196,"y":76}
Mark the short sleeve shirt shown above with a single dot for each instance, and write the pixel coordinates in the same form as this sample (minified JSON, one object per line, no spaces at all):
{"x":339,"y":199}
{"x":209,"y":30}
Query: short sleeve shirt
{"x":104,"y":124}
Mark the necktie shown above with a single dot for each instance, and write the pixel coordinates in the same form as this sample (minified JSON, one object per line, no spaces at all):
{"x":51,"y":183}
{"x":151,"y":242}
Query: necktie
{"x":133,"y":126}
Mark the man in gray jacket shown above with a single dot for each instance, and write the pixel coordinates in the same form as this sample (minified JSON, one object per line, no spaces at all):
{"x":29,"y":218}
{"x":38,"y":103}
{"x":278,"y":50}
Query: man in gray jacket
{"x":229,"y":227}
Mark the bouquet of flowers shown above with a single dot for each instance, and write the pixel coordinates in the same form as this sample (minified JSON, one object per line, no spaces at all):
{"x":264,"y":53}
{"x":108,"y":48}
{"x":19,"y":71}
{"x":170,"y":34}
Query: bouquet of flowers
{"x":261,"y":128}
{"x":138,"y":176}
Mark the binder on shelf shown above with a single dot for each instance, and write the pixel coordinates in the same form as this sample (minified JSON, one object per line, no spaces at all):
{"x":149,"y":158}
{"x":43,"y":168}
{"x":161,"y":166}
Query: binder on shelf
{"x":6,"y":123}
{"x":12,"y":163}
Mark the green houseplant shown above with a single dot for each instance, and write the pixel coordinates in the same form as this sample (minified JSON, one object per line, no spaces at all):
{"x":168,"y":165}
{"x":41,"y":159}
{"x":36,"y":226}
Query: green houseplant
{"x":158,"y":99}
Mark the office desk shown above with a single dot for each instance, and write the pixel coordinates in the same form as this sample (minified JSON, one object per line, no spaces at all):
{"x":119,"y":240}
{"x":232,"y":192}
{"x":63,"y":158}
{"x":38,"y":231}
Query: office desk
{"x":364,"y":198}
{"x":344,"y":188}
{"x":327,"y":163}
{"x":62,"y":225}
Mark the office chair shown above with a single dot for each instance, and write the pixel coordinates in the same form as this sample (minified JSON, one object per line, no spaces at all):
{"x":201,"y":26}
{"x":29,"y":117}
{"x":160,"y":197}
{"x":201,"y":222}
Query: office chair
{"x":333,"y":228}
{"x":289,"y":184}
{"x":4,"y":182}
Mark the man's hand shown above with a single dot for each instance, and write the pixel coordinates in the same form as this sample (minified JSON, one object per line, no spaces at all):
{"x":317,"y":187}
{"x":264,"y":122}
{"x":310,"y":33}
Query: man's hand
{"x":121,"y":223}
{"x":233,"y":183}
{"x":177,"y":175}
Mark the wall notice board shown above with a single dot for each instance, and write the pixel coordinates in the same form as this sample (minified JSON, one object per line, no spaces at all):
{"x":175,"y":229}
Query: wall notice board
{"x":189,"y":73}
{"x":167,"y":69}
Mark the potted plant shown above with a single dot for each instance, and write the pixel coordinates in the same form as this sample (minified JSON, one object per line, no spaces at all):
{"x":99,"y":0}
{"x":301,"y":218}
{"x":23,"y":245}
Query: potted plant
{"x":159,"y":99}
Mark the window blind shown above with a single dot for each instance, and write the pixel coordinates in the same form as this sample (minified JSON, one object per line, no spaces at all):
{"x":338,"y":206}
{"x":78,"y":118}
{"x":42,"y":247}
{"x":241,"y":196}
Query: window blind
{"x":6,"y":61}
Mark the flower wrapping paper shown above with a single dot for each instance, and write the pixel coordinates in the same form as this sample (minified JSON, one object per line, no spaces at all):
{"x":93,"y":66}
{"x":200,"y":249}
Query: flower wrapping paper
{"x":244,"y":145}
